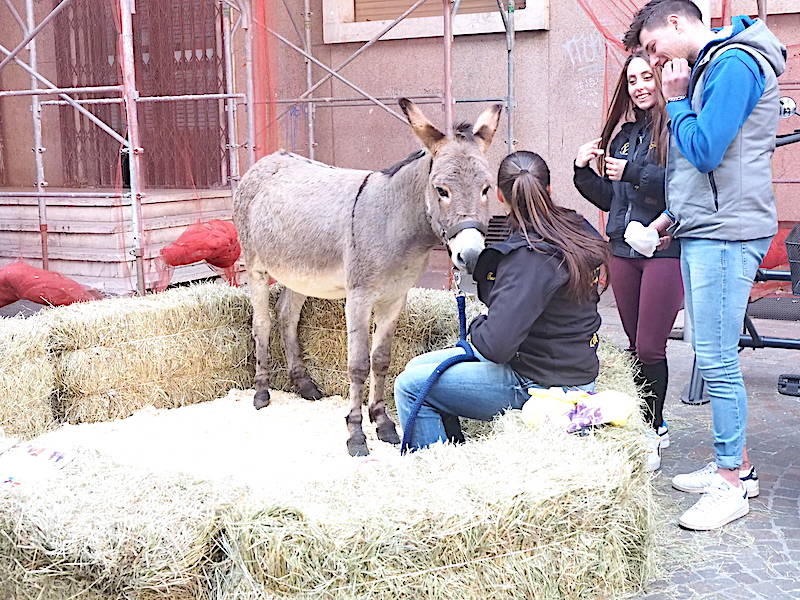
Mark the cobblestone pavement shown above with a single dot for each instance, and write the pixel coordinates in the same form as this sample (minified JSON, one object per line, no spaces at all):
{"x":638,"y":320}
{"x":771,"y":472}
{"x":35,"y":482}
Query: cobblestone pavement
{"x":757,"y":556}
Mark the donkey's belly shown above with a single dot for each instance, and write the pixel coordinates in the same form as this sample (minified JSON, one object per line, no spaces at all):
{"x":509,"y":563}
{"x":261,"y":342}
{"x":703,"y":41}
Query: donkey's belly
{"x":318,"y":285}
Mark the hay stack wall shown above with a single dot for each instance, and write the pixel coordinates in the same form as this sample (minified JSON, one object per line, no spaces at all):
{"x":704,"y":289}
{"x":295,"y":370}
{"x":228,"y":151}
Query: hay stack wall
{"x":27,"y":377}
{"x":98,"y":530}
{"x":104,"y":360}
{"x":521,"y":514}
{"x":115,"y":356}
{"x":429,"y":322}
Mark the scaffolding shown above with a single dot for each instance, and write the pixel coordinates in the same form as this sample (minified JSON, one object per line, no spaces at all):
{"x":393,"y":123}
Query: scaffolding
{"x":238,"y":15}
{"x":129,"y":97}
{"x":505,"y":8}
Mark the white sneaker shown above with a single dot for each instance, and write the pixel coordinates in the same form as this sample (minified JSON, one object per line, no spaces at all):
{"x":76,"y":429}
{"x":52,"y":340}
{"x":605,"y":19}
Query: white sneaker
{"x":697,"y":482}
{"x":653,"y":462}
{"x":663,"y":433}
{"x":720,"y":504}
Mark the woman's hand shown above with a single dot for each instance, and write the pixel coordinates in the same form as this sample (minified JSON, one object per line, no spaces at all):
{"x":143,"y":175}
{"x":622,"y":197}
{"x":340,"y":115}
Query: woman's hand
{"x":587,"y":153}
{"x":664,"y":242}
{"x":615,"y":167}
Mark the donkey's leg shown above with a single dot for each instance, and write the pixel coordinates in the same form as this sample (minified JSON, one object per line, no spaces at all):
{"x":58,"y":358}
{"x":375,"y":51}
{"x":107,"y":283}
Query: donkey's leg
{"x":289,"y":305}
{"x":259,"y":294}
{"x":386,"y":315}
{"x":358,"y":309}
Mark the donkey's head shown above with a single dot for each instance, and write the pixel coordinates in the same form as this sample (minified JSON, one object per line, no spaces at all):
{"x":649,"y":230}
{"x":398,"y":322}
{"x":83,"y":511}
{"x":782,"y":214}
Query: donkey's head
{"x":457,"y":197}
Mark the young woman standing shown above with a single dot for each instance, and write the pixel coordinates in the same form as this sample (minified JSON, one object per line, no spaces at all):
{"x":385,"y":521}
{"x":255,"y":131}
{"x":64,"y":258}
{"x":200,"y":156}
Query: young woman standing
{"x":630,"y":187}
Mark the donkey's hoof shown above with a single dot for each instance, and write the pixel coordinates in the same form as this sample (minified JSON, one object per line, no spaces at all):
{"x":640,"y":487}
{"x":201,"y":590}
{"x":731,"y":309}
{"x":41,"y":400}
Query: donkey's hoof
{"x":309,"y":390}
{"x":387,"y":433}
{"x":357,"y":447}
{"x":261,"y":399}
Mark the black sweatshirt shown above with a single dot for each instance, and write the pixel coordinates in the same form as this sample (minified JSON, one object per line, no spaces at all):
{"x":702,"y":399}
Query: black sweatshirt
{"x":532,"y":324}
{"x":638,"y":197}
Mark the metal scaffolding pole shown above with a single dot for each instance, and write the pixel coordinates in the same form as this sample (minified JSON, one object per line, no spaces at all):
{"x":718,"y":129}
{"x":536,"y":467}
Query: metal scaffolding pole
{"x":35,"y":91}
{"x":38,"y":148}
{"x":511,"y":104}
{"x":309,"y":76}
{"x":13,"y":10}
{"x":339,"y":77}
{"x":129,"y":94}
{"x":32,"y":31}
{"x":4,"y":194}
{"x":51,"y":86}
{"x":230,"y":103}
{"x":447,"y":23}
{"x":762,"y":9}
{"x":247,"y":26}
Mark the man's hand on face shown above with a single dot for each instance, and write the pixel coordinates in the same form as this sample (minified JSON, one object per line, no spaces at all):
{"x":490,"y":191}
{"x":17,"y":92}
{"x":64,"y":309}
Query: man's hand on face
{"x":675,"y":78}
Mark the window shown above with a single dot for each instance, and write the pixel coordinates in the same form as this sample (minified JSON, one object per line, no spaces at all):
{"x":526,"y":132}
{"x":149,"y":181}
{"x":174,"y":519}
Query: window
{"x":388,"y":10}
{"x":360,"y":20}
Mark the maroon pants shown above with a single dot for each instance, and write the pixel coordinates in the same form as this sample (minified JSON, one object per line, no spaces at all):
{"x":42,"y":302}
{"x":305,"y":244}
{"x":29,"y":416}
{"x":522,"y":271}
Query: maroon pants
{"x":649,"y":294}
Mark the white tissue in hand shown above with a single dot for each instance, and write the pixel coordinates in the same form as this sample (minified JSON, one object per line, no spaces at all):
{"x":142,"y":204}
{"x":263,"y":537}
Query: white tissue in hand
{"x":642,"y":239}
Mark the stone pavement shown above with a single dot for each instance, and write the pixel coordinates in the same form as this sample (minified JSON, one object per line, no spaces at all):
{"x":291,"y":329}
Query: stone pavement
{"x":757,"y":556}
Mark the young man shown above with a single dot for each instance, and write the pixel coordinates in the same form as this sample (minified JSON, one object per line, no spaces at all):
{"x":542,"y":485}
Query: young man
{"x":722,"y":99}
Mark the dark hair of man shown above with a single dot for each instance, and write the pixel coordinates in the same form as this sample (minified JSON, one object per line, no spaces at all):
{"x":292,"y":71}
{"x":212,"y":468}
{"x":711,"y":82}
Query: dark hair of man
{"x":523,"y":178}
{"x":654,"y":14}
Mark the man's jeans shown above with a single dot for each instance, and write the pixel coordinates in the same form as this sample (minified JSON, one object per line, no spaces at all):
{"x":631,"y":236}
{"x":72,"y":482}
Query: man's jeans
{"x":717,"y":277}
{"x":477,"y":390}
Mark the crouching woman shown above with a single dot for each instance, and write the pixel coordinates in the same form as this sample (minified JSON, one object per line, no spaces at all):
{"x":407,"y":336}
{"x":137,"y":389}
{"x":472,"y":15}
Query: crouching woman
{"x":541,"y":289}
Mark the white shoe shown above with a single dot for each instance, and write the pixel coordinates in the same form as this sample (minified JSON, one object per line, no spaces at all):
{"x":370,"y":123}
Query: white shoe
{"x":720,"y":504}
{"x":697,"y":482}
{"x":653,"y":462}
{"x":663,"y":433}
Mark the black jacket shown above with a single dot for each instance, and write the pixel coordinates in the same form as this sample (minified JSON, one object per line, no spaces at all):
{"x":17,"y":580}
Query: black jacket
{"x":638,"y":197}
{"x":532,"y":324}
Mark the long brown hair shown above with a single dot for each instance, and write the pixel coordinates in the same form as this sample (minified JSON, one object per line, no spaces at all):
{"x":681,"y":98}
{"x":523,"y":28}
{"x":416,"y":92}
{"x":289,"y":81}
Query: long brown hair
{"x":623,"y":108}
{"x":523,"y":178}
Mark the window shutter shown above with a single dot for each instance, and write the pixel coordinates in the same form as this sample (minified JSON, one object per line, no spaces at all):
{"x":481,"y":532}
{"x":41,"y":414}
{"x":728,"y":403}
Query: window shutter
{"x":381,"y":10}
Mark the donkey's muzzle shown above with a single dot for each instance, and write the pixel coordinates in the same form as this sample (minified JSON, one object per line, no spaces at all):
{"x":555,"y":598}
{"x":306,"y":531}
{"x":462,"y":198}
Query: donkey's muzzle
{"x":465,"y":248}
{"x":469,"y":258}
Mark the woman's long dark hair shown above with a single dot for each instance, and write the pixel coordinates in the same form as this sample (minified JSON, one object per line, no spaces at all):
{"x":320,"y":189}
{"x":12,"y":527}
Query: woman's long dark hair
{"x":523,"y":179}
{"x":622,"y":109}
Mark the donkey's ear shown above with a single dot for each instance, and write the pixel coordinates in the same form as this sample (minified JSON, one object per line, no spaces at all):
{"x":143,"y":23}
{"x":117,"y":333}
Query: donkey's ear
{"x":431,"y":138}
{"x":486,"y":125}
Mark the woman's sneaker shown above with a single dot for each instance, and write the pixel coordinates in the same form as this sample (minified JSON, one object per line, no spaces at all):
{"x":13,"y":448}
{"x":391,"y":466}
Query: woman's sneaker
{"x":697,"y":482}
{"x":721,"y":503}
{"x":654,"y":446}
{"x":663,"y":434}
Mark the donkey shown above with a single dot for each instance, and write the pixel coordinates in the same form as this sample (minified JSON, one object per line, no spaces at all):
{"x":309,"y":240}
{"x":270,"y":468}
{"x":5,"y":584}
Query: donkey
{"x":364,"y":236}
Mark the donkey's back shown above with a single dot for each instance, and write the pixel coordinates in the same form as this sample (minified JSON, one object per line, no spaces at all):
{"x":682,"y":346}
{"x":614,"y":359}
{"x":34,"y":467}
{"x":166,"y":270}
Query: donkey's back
{"x":283,"y":189}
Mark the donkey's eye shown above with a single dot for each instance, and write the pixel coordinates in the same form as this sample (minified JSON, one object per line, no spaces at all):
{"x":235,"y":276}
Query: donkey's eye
{"x":442,"y":192}
{"x":485,"y":190}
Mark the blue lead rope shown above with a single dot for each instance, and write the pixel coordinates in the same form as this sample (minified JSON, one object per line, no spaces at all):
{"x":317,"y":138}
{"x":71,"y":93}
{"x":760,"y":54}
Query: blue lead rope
{"x":468,"y":356}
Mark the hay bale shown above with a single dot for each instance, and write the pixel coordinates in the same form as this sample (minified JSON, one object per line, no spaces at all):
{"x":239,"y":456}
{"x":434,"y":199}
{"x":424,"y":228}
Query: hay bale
{"x":522,"y":514}
{"x":429,"y":322}
{"x":27,"y":379}
{"x":116,"y":532}
{"x":179,"y":347}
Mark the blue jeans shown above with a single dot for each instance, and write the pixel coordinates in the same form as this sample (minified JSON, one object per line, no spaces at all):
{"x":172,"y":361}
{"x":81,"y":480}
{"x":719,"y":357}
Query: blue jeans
{"x":717,"y":277}
{"x":476,"y":390}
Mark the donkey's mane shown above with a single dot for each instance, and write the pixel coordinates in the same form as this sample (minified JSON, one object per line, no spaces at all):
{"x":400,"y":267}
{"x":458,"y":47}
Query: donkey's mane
{"x":406,"y":161}
{"x":463,"y":131}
